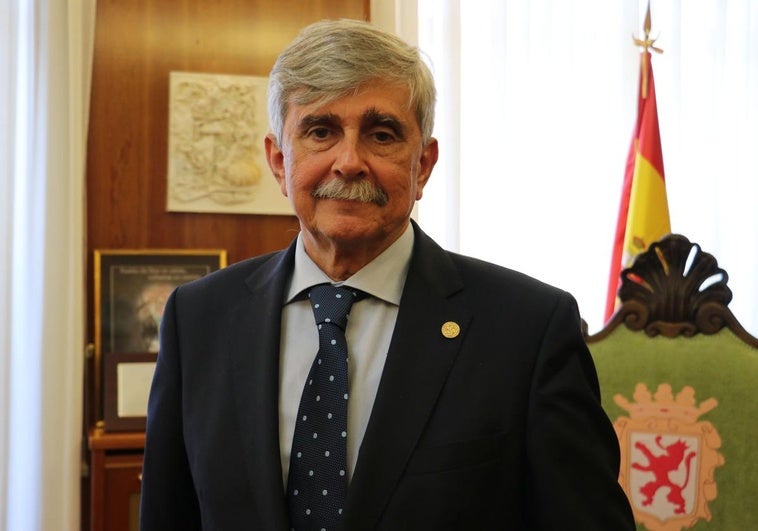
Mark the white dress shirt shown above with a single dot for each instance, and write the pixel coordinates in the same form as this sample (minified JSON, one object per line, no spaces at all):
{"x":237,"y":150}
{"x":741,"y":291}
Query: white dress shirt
{"x":372,"y":321}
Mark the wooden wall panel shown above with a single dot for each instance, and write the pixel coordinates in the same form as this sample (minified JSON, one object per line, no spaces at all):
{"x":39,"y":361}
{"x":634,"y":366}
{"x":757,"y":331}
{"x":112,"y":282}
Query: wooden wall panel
{"x":137,"y":44}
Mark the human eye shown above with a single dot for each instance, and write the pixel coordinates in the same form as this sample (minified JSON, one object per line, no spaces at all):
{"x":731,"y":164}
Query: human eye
{"x":382,"y":128}
{"x":319,"y":128}
{"x":319,"y":133}
{"x":383,"y":136}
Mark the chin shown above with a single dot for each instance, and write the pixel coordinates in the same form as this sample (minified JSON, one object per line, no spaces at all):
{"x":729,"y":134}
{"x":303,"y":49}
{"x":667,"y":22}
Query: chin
{"x":351,"y":230}
{"x":346,"y":227}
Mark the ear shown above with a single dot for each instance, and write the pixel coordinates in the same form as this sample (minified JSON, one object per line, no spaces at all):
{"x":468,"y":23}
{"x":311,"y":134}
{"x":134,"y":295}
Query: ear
{"x":429,"y":156}
{"x":275,"y":159}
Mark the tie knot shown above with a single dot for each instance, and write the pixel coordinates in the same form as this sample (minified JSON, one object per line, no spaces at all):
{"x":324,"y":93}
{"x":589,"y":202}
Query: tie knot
{"x":331,"y":304}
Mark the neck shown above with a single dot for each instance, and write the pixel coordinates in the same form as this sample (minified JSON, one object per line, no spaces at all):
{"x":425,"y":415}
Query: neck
{"x":341,"y":260}
{"x":340,"y":263}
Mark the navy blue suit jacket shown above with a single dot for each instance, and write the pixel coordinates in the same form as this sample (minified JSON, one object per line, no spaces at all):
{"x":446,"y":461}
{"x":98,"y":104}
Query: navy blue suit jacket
{"x":497,"y":428}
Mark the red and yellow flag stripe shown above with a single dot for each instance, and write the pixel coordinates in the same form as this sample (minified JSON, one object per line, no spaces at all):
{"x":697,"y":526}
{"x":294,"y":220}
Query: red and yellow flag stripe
{"x":644,"y":214}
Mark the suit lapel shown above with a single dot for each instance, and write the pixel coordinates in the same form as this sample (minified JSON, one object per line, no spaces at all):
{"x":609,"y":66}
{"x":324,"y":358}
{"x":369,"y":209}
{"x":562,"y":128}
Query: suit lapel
{"x":254,"y":353}
{"x":417,"y":365}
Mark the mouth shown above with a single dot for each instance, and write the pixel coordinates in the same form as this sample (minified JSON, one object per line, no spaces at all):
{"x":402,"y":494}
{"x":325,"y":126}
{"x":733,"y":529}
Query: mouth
{"x":361,"y":191}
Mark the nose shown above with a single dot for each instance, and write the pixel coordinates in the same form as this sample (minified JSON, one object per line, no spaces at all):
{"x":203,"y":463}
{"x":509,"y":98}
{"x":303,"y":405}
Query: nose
{"x":350,"y":158}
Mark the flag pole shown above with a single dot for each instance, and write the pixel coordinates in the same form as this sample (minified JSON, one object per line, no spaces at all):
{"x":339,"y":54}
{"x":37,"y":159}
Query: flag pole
{"x":646,"y":44}
{"x":643,"y":211}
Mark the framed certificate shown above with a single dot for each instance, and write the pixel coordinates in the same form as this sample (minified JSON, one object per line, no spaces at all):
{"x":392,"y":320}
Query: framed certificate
{"x":131,"y":289}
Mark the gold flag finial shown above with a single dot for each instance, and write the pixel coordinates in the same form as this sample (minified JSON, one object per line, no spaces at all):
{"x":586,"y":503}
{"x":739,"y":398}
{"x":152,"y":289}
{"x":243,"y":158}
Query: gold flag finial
{"x":646,"y":44}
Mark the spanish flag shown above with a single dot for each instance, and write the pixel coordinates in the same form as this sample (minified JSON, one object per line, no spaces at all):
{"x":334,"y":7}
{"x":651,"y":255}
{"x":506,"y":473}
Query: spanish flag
{"x":644,"y":214}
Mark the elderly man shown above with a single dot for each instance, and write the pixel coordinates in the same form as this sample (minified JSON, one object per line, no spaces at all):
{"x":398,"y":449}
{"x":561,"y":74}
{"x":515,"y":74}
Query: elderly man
{"x":457,"y":395}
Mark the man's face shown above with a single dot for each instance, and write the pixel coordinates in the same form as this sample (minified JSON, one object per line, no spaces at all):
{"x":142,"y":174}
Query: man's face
{"x":370,"y":136}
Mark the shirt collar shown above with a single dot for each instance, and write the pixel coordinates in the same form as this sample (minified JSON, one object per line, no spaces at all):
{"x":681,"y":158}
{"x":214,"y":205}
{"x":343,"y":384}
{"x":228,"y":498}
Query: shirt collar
{"x":383,"y":277}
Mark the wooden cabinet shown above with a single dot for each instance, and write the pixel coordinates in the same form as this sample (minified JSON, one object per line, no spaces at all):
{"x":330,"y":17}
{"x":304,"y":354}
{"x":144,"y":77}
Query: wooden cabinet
{"x":115,"y":482}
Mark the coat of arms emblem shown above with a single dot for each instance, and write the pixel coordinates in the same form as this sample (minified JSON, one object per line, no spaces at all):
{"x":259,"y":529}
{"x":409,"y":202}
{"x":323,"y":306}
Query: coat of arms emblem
{"x":668,"y":457}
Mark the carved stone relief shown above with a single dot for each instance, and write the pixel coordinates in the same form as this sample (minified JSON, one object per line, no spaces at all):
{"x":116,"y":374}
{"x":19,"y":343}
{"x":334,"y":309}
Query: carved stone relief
{"x":216,"y":160}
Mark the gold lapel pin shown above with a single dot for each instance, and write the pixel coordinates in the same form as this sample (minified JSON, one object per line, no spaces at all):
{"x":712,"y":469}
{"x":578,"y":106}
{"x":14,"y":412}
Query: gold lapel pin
{"x":451,"y":329}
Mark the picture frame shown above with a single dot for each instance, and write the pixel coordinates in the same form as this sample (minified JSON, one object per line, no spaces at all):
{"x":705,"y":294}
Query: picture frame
{"x":131,"y":287}
{"x":128,"y":377}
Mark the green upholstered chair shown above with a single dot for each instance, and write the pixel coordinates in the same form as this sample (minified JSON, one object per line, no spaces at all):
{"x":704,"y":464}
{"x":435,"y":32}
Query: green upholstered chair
{"x":679,"y":377}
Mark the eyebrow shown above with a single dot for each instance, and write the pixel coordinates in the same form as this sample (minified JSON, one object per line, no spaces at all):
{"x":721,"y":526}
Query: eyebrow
{"x":311,"y":120}
{"x":373,"y":117}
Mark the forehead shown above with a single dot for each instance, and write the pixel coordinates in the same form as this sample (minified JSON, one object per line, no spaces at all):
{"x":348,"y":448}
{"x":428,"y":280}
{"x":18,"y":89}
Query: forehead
{"x":376,"y":97}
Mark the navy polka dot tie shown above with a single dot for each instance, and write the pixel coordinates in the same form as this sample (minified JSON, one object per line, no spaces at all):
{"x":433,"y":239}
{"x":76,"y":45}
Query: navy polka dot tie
{"x":317,"y":483}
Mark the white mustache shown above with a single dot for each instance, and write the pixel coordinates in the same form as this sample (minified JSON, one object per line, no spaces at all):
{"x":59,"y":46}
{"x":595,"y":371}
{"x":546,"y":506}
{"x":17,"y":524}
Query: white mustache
{"x":361,"y":190}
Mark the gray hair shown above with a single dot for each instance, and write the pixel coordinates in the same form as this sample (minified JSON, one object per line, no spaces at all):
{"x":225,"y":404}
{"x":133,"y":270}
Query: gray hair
{"x":331,"y":58}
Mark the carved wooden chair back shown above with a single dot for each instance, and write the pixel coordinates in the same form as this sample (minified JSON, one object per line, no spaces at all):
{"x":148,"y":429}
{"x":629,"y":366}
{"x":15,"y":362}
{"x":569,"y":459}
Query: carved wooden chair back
{"x":678,"y":376}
